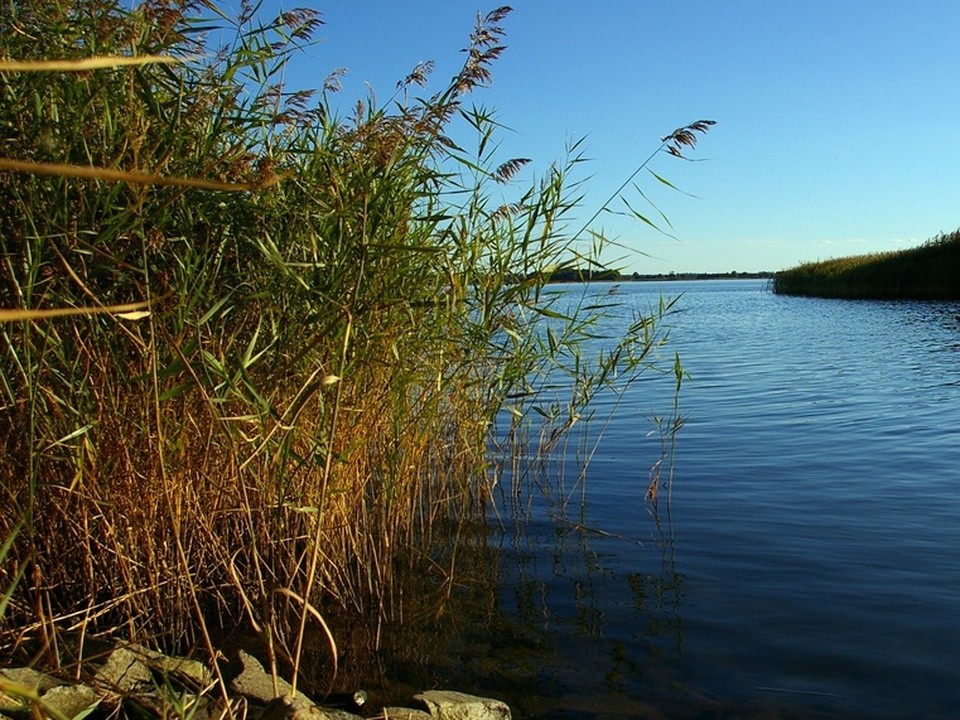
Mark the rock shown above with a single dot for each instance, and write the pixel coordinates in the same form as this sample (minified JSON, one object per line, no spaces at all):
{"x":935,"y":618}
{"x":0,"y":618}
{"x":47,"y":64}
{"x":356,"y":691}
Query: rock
{"x":181,"y":669}
{"x":287,"y":708}
{"x":450,"y":705}
{"x":14,"y":688}
{"x":256,"y":684}
{"x":154,"y":685}
{"x":124,"y":673}
{"x":28,"y":677}
{"x":403,"y":713}
{"x":71,"y":701}
{"x":337,"y":714}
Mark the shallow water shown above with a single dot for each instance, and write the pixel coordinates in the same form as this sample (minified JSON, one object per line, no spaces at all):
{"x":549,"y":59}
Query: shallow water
{"x":807,"y":563}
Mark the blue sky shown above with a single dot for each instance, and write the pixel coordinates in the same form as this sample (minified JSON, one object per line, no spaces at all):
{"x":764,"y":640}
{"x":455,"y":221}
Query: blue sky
{"x":837,"y":122}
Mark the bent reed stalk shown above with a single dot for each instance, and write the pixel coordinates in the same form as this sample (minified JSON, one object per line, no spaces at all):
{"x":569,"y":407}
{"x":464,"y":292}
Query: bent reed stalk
{"x":307,"y":394}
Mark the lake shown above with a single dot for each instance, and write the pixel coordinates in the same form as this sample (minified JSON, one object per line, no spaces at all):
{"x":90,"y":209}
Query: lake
{"x":806,"y":563}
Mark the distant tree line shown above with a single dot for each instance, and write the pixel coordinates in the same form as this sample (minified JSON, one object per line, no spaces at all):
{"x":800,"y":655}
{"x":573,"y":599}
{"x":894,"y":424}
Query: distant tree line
{"x":578,"y":275}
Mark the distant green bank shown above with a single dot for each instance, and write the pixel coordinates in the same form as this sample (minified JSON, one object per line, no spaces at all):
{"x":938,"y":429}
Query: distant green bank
{"x":579,"y":275}
{"x":928,"y":272}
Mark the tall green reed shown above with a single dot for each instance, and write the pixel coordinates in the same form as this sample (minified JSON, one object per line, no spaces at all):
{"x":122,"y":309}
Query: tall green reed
{"x":290,"y":335}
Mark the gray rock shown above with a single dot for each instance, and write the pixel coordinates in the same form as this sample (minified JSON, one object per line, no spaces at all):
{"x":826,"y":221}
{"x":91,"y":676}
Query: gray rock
{"x":404,"y":713}
{"x":256,"y":684}
{"x":71,"y":701}
{"x":450,"y":705}
{"x":287,"y":708}
{"x":125,"y":673}
{"x":12,"y":704}
{"x":133,"y":673}
{"x":181,"y":669}
{"x":28,"y":677}
{"x":337,"y":714}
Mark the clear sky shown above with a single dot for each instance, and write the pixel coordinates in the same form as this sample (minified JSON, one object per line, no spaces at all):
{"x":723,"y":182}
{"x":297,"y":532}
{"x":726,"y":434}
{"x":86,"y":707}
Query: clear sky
{"x":838,"y":122}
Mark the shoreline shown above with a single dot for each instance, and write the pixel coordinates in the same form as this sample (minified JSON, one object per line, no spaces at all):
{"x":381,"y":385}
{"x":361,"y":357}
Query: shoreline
{"x":132,"y":681}
{"x":576,"y":276}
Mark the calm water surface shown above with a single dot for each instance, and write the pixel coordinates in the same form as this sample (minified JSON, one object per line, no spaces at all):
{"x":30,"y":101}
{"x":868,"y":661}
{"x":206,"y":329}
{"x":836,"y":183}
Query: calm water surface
{"x":808,"y":562}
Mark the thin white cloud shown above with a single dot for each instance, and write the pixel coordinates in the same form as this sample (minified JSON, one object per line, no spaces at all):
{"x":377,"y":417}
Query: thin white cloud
{"x":766,"y":243}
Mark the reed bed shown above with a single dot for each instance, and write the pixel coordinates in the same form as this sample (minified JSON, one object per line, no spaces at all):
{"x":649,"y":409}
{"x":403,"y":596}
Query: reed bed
{"x":254,"y":354}
{"x":928,"y":272}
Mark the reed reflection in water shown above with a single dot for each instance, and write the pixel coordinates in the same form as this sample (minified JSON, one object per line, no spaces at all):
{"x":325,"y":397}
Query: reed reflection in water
{"x":807,"y":566}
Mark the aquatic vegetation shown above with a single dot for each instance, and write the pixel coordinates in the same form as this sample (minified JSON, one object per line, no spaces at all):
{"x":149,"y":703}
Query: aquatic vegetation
{"x":254,"y":353}
{"x":928,"y":272}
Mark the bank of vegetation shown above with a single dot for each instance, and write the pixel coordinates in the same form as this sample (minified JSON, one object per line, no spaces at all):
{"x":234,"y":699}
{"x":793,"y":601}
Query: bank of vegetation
{"x":581,"y":275}
{"x":257,"y":356}
{"x":928,"y":272}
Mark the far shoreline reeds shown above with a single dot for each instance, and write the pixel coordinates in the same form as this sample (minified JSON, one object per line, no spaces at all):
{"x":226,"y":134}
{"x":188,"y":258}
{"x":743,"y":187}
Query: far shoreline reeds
{"x":928,"y":272}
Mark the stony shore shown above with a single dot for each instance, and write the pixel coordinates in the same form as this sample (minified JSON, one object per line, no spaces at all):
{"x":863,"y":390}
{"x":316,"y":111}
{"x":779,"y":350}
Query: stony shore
{"x":132,"y":681}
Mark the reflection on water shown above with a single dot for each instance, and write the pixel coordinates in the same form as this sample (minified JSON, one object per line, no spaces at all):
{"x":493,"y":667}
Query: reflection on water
{"x":808,"y":565}
{"x":527,"y":621}
{"x":559,"y":619}
{"x":542,"y":617}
